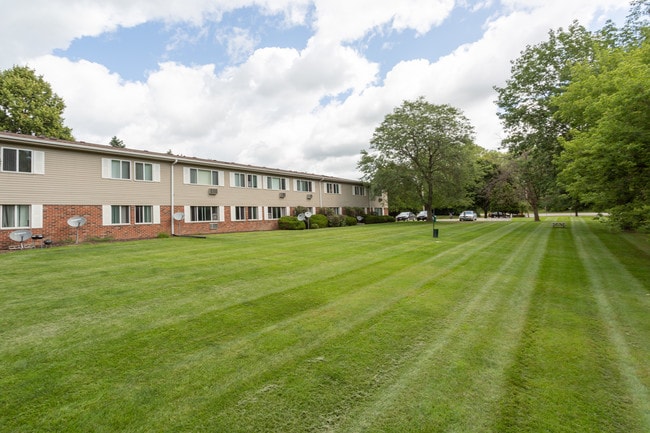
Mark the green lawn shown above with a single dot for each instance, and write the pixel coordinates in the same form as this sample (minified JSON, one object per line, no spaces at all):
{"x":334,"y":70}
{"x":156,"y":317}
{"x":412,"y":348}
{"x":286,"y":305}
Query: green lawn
{"x":492,"y":327}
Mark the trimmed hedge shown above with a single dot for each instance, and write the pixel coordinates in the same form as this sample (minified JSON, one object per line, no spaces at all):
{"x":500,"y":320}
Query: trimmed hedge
{"x":317,"y":220}
{"x":376,"y":219}
{"x":291,"y":223}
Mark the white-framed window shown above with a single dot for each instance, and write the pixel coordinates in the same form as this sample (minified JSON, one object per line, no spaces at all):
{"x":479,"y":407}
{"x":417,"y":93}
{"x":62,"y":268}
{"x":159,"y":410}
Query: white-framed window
{"x":332,"y":188}
{"x":274,"y":213}
{"x":199,"y":176}
{"x":358,"y":190}
{"x":204,"y":214}
{"x":22,"y":160}
{"x":120,"y":169}
{"x":239,"y":213}
{"x":15,"y":216}
{"x":303,"y":185}
{"x":120,"y":214}
{"x":245,"y":213}
{"x":276,"y":183}
{"x":144,"y":214}
{"x":243,"y":180}
{"x":147,"y":172}
{"x":378,"y":211}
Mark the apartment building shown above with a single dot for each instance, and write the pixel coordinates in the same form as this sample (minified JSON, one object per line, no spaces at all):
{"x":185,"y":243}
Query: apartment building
{"x":132,"y":194}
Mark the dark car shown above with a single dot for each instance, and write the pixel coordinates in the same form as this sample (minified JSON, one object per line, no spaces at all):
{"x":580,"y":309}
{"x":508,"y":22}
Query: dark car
{"x":405,"y":216}
{"x":422,"y":216}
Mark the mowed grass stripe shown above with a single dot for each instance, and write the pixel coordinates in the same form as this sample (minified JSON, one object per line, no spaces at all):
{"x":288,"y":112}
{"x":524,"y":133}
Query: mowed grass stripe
{"x":563,"y":378}
{"x":478,"y":339}
{"x":624,"y":304}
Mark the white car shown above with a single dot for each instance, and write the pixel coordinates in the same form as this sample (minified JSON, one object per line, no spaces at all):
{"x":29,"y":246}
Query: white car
{"x":467,"y":215}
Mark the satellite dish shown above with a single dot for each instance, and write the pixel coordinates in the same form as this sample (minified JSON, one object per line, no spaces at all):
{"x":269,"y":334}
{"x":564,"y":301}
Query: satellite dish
{"x":179,"y":216}
{"x":307,"y":214}
{"x":76,"y":221}
{"x":301,"y":217}
{"x":20,"y":235}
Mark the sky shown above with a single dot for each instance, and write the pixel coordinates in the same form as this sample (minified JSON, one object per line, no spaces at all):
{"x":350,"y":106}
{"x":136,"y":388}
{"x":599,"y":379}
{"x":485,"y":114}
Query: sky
{"x":290,"y":84}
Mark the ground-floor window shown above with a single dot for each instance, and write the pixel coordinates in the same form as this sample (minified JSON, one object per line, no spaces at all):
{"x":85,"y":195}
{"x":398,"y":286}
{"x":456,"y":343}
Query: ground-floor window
{"x":274,"y":213}
{"x":15,"y":216}
{"x":120,"y":214}
{"x":204,"y":213}
{"x":144,"y":214}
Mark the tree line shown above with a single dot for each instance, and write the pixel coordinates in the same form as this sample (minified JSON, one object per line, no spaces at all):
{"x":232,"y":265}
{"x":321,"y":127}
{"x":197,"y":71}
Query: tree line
{"x":575,"y":113}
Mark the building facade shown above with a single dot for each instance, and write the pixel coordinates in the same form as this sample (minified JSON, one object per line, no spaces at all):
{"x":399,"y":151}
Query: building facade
{"x":132,"y":194}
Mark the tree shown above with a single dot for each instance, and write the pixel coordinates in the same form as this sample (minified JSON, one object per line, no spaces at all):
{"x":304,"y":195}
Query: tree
{"x":116,"y":142}
{"x":606,"y":158}
{"x":527,"y":107}
{"x":498,"y":189}
{"x":28,"y":105}
{"x":422,"y":151}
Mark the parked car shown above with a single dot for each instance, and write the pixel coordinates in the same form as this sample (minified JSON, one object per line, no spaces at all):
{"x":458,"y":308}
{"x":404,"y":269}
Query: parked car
{"x":422,"y":216}
{"x":467,"y":215}
{"x":405,"y":216}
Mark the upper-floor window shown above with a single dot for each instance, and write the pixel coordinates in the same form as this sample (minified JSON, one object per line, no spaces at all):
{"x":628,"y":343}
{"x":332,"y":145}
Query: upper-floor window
{"x":120,"y":169}
{"x":303,"y":185}
{"x":242,"y":180}
{"x":332,"y":188}
{"x":277,"y":183}
{"x":358,"y":190}
{"x":143,"y":171}
{"x":22,"y":160}
{"x":199,"y":176}
{"x":15,"y":216}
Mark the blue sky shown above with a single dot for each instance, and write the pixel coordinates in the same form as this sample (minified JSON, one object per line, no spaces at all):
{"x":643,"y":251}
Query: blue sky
{"x":293,"y":84}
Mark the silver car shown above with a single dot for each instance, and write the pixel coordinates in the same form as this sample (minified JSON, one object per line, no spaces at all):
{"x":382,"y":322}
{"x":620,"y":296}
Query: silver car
{"x":467,"y":215}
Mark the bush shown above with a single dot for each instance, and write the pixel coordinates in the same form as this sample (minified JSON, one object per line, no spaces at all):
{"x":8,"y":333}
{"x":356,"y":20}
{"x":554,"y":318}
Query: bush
{"x":291,"y":223}
{"x":350,"y":221}
{"x":318,"y":220}
{"x":378,"y":219}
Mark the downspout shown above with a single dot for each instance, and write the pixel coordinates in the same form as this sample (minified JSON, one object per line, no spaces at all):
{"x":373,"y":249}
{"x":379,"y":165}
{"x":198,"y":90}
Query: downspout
{"x":320,"y":194}
{"x":172,"y":195}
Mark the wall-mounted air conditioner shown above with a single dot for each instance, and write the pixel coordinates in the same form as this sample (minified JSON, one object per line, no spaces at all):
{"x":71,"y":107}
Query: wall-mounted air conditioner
{"x":213,"y":226}
{"x":309,"y":196}
{"x":213,"y":191}
{"x":283,"y":195}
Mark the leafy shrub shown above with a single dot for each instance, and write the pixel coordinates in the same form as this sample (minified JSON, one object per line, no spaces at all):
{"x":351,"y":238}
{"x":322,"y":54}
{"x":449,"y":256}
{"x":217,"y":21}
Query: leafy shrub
{"x":334,"y":220}
{"x":350,"y":221}
{"x":318,"y":220}
{"x":291,"y":223}
{"x":163,"y":235}
{"x":378,"y":219}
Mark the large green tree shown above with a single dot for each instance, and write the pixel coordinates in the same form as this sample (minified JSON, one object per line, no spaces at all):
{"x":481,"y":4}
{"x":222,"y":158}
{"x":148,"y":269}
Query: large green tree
{"x":422,"y":150}
{"x":29,"y":106}
{"x":526,"y":107}
{"x":606,"y":161}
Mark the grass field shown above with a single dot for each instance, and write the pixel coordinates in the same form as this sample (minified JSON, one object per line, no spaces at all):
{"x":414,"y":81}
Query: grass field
{"x":492,"y":327}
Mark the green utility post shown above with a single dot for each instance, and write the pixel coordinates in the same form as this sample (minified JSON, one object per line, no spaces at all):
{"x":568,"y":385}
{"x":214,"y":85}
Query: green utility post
{"x":435,"y":230}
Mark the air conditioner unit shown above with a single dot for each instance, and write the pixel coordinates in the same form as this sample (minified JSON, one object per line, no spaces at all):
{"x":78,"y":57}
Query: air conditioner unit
{"x":283,"y":195}
{"x":213,"y":191}
{"x":309,"y":196}
{"x":213,"y":226}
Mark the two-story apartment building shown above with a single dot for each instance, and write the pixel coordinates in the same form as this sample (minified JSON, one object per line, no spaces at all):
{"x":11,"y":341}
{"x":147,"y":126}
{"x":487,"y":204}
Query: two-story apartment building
{"x":133,"y":194}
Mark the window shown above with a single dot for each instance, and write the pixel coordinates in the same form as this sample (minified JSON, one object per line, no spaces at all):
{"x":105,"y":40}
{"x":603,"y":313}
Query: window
{"x":120,"y":214}
{"x":358,"y":190}
{"x":204,"y":213}
{"x":242,"y":180}
{"x":240,"y":213}
{"x":252,"y":213}
{"x":274,"y":213}
{"x":378,"y":211}
{"x":303,"y":185}
{"x":15,"y":216}
{"x":144,"y":214}
{"x":203,"y":177}
{"x":143,"y":171}
{"x":120,"y":169}
{"x":332,"y":188}
{"x":277,"y":183}
{"x":22,"y":160}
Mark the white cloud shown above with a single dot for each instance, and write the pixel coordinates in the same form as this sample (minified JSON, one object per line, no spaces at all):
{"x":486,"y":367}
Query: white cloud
{"x":308,"y":110}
